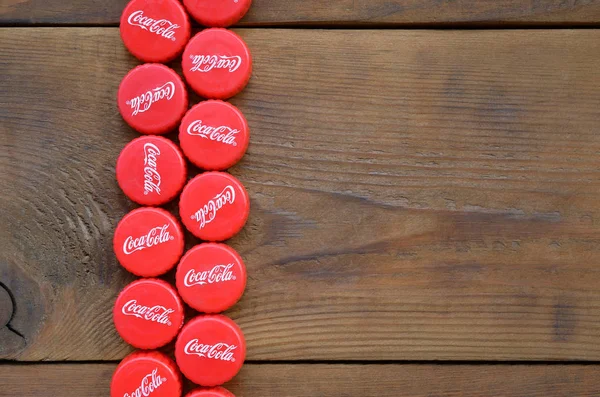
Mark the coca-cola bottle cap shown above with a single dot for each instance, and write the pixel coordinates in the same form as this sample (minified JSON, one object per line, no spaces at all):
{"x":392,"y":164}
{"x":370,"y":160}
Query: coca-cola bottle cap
{"x":210,"y":350}
{"x":211,"y":277}
{"x":155,"y":30}
{"x":214,"y":135}
{"x":152,"y":99}
{"x":146,"y":374}
{"x":148,"y":242}
{"x":148,"y":313}
{"x":151,"y":170}
{"x":217,"y":63}
{"x":217,"y":13}
{"x":210,"y":392}
{"x":214,"y":206}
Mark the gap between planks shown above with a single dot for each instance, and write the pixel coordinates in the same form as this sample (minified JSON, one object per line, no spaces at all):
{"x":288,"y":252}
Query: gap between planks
{"x":93,"y":380}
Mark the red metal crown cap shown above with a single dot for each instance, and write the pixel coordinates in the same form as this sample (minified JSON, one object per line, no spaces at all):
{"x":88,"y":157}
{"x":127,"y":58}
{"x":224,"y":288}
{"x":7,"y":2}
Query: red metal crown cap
{"x":155,"y":30}
{"x":214,"y":135}
{"x":211,"y":277}
{"x":151,"y":170}
{"x":210,"y":350}
{"x":152,"y":99}
{"x":217,"y":13}
{"x":217,"y":63}
{"x":146,"y":374}
{"x":148,"y":313}
{"x":148,"y":242}
{"x":214,"y":206}
{"x":210,"y":392}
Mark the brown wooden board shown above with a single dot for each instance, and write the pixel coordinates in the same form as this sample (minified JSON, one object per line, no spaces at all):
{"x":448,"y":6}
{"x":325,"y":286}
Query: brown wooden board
{"x":321,"y":12}
{"x":93,"y":380}
{"x":416,"y":195}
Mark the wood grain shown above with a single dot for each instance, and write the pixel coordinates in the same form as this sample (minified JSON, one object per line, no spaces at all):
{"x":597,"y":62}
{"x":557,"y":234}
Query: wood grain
{"x":93,"y":380}
{"x":415,"y":195}
{"x":339,"y":12}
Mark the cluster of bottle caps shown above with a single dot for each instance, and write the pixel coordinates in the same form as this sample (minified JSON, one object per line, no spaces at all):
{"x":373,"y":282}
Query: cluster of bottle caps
{"x":214,"y":206}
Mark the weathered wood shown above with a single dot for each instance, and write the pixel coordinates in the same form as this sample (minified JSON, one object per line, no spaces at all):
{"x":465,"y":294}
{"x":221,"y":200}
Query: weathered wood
{"x":93,"y":380}
{"x":340,"y":12}
{"x":415,"y":195}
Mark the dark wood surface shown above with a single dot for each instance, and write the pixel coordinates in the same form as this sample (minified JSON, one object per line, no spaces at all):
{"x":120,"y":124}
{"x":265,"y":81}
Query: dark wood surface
{"x":416,"y":195}
{"x":92,"y":380}
{"x":326,"y":13}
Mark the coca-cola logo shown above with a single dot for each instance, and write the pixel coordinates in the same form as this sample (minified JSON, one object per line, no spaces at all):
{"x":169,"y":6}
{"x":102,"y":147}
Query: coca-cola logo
{"x":143,"y":102}
{"x":156,"y":314}
{"x":148,"y":385}
{"x":206,"y":63}
{"x":218,"y":351}
{"x":208,"y":212}
{"x":161,"y":27}
{"x":222,"y":133}
{"x":155,"y":236}
{"x":151,"y":175}
{"x":218,"y":274}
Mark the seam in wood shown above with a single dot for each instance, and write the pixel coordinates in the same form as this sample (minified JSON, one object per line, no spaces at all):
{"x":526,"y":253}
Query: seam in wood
{"x":344,"y":26}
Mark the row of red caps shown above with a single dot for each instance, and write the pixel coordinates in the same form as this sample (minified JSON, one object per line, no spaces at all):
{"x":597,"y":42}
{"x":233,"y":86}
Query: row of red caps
{"x":214,"y":206}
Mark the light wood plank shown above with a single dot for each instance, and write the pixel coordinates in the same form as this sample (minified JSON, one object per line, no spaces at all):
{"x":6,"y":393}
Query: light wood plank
{"x":93,"y":380}
{"x":415,"y":195}
{"x":321,"y":12}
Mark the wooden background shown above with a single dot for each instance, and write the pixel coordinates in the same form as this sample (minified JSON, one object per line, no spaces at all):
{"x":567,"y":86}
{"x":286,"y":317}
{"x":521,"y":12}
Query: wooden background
{"x":425,"y":203}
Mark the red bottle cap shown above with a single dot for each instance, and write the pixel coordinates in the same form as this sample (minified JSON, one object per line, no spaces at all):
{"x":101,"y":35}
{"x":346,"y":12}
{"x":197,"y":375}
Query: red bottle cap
{"x":152,"y":99}
{"x":214,"y":206}
{"x":151,"y":170}
{"x":217,"y":13}
{"x":217,"y":63}
{"x":148,"y":242}
{"x":148,"y":313}
{"x":155,"y":30}
{"x":214,"y":135}
{"x":210,"y":350}
{"x":210,"y":392}
{"x":211,"y":277}
{"x":146,"y":374}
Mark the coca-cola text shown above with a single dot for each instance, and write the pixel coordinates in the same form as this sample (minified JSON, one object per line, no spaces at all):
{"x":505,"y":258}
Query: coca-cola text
{"x":155,"y":236}
{"x":161,"y":27}
{"x":222,"y":133}
{"x":218,"y":274}
{"x":218,"y":351}
{"x":206,"y":63}
{"x":151,"y":175}
{"x":157,"y":314}
{"x":149,"y":383}
{"x":143,"y":102}
{"x":208,"y":212}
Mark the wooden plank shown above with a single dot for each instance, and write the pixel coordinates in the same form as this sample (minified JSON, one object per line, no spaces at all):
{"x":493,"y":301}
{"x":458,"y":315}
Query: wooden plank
{"x":340,"y":12}
{"x":415,"y":195}
{"x":93,"y":380}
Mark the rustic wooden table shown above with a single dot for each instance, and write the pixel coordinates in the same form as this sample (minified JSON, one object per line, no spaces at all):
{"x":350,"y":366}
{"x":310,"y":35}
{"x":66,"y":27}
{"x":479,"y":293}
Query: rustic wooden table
{"x":425,"y":203}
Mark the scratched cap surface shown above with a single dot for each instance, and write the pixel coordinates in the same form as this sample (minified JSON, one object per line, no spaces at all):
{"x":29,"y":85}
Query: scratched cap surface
{"x":146,"y":374}
{"x":214,"y":206}
{"x":217,"y":63}
{"x":152,"y":99}
{"x":210,"y":350}
{"x":214,"y":135}
{"x":217,"y":13}
{"x":148,"y":241}
{"x":210,"y":392}
{"x":151,"y":170}
{"x":211,"y":277}
{"x":148,"y":313}
{"x":155,"y":30}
